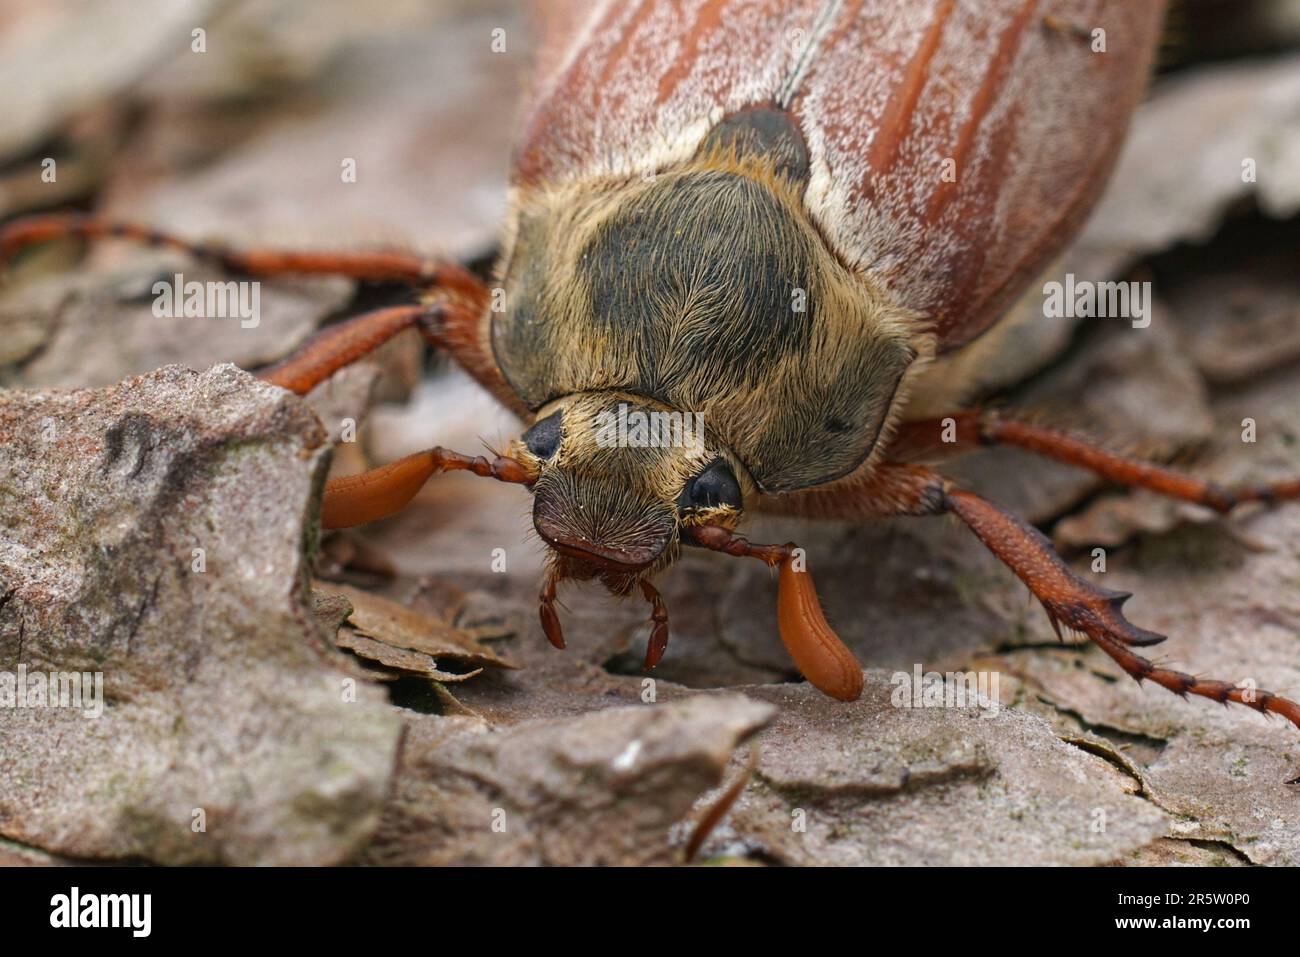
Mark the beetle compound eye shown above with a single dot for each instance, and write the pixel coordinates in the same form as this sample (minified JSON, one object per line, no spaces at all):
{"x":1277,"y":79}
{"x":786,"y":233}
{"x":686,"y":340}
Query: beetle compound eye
{"x":544,"y":437}
{"x":715,"y":486}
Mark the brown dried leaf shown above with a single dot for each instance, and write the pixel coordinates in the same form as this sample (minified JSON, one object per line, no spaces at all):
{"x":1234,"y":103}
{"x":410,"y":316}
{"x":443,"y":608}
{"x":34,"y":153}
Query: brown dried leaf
{"x":397,"y":626}
{"x":398,"y":659}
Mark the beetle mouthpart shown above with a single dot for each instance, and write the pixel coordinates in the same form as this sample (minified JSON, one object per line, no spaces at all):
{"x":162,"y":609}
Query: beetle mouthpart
{"x":658,"y":643}
{"x":816,"y":650}
{"x":613,"y":557}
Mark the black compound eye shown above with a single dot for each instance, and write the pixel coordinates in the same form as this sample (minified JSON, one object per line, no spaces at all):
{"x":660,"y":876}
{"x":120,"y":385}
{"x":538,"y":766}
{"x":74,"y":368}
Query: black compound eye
{"x":544,"y":437}
{"x":716,"y":485}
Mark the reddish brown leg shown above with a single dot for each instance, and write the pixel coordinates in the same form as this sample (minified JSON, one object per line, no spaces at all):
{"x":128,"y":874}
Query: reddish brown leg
{"x":1094,"y":611}
{"x":458,"y":326}
{"x":370,"y":496}
{"x":447,"y":324}
{"x":369,"y":266}
{"x":341,"y":345}
{"x":1069,"y":599}
{"x":972,"y":429}
{"x":452,"y":319}
{"x":658,"y":643}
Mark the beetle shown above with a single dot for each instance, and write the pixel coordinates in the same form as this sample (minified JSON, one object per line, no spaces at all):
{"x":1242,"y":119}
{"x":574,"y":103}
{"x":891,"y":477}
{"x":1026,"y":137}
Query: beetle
{"x":797,"y":220}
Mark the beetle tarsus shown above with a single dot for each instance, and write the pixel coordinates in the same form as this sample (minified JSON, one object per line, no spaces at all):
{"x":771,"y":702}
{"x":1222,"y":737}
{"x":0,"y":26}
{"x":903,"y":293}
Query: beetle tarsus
{"x":1096,"y":612}
{"x":896,"y":489}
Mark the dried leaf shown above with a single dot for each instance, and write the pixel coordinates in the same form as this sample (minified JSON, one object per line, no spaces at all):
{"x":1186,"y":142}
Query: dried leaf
{"x":389,"y":623}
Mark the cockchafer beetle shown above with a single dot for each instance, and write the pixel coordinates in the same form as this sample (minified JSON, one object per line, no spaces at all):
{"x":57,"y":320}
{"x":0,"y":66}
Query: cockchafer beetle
{"x":789,"y":218}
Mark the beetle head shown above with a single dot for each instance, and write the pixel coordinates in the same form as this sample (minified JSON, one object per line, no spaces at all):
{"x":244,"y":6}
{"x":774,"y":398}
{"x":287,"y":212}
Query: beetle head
{"x":618,"y":477}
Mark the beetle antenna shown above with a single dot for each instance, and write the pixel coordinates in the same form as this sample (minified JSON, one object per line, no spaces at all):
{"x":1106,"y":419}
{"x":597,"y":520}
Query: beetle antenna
{"x":369,"y":496}
{"x":817,"y":651}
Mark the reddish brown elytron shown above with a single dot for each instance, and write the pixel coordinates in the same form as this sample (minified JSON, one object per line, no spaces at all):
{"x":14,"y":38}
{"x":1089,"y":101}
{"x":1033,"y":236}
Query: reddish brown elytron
{"x":905,"y":169}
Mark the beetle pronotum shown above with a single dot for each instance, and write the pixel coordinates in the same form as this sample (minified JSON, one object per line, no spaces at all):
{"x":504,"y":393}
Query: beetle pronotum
{"x":787,"y":218}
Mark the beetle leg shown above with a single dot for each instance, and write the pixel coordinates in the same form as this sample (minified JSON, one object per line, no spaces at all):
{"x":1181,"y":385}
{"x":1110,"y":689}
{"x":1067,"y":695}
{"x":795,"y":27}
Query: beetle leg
{"x":895,"y":489}
{"x":972,"y":429}
{"x":817,"y":651}
{"x":366,"y":266}
{"x":448,"y":324}
{"x":452,"y":319}
{"x":457,"y":324}
{"x":546,"y":611}
{"x":340,"y":345}
{"x":1091,"y":610}
{"x":658,"y":642}
{"x":378,"y":493}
